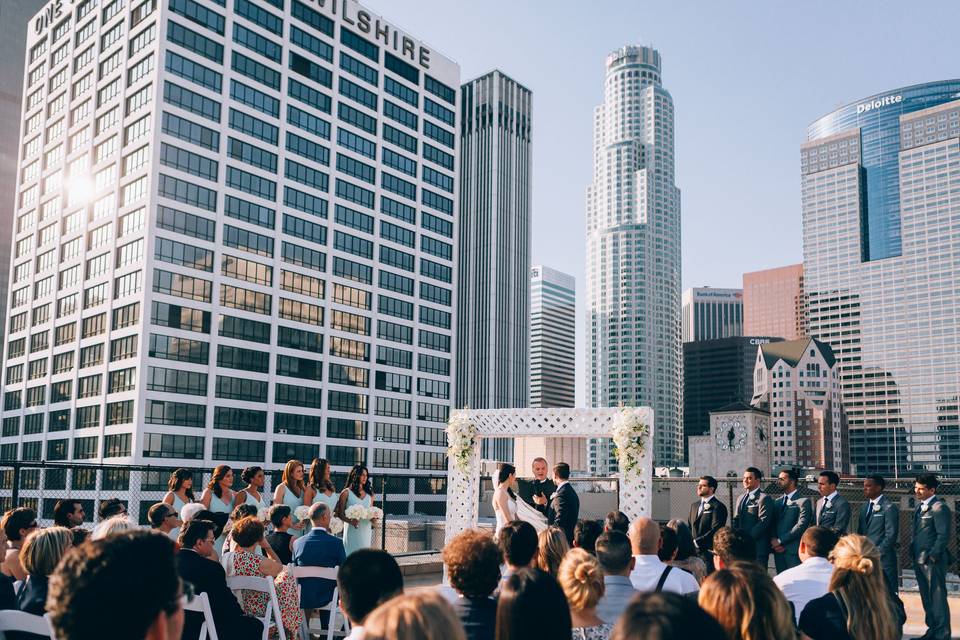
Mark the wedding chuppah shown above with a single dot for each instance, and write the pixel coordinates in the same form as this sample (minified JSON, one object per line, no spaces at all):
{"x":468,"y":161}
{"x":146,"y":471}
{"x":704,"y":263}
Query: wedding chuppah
{"x":630,"y":427}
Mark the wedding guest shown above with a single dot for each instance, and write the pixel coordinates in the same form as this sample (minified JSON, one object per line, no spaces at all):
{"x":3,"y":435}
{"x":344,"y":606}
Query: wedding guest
{"x":525,"y":594}
{"x":357,"y":534}
{"x":190,"y":511}
{"x":932,"y":525}
{"x":668,"y":544}
{"x":218,"y":499}
{"x":793,"y":513}
{"x":707,"y":516}
{"x":585,"y":535}
{"x":39,"y":556}
{"x":291,"y":491}
{"x":196,"y":544}
{"x":163,"y":518}
{"x":666,"y":616}
{"x":111,"y":507}
{"x":317,"y":548}
{"x":112,"y":525}
{"x":319,"y":486}
{"x":650,"y":573}
{"x":417,"y":616}
{"x":833,"y":510}
{"x":747,"y":604}
{"x":472,"y":560}
{"x":8,"y":599}
{"x":732,"y":545}
{"x":138,"y":568}
{"x":68,"y":513}
{"x":686,"y":557}
{"x":859,"y":604}
{"x":518,"y":543}
{"x":617,"y":521}
{"x":552,"y":546}
{"x":179,"y":494}
{"x":80,"y":535}
{"x":811,"y":578}
{"x":253,"y":493}
{"x":582,"y":581}
{"x":17,"y":525}
{"x":366,"y":579}
{"x":754,"y":514}
{"x":281,"y":517}
{"x":238,"y":514}
{"x":613,"y":554}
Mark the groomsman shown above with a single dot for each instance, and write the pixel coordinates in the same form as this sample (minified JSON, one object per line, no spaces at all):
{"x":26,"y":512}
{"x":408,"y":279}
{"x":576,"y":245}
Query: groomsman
{"x":931,"y":532}
{"x":707,"y":516}
{"x":793,"y":514}
{"x":833,"y":510}
{"x":754,"y":514}
{"x":880,"y":522}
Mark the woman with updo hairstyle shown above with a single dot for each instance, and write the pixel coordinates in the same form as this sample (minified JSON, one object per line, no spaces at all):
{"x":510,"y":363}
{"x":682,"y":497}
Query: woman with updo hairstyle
{"x":858,"y":604}
{"x":582,"y":581}
{"x":413,"y":616}
{"x":747,"y":603}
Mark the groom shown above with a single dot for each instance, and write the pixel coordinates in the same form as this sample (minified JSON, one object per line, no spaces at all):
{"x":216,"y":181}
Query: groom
{"x":564,"y":507}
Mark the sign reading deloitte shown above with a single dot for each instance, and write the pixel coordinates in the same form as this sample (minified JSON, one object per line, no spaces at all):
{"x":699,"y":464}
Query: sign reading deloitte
{"x":879,"y":102}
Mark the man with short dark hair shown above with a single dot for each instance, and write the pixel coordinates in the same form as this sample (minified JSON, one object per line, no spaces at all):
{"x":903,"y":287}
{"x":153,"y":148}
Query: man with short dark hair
{"x":617,"y":521}
{"x":793,"y":513}
{"x":138,"y":568}
{"x":707,"y":516}
{"x":585,"y":535}
{"x":317,"y":549}
{"x":811,"y":578}
{"x":754,"y":514}
{"x":564,"y":508}
{"x":616,"y":560}
{"x":68,"y":513}
{"x":932,"y":522}
{"x":732,"y":545}
{"x":367,"y":579}
{"x":880,"y":522}
{"x":518,"y":544}
{"x":111,"y":507}
{"x":833,"y":510}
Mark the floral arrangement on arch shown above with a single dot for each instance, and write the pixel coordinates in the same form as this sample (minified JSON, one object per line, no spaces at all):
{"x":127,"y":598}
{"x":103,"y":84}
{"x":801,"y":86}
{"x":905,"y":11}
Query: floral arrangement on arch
{"x":630,"y":434}
{"x":461,"y":441}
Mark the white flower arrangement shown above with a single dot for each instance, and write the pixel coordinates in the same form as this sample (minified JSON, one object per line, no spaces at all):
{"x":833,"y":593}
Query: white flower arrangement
{"x":461,"y":441}
{"x":336,"y":526}
{"x":263,"y":514}
{"x":630,"y":435}
{"x":301,"y":513}
{"x":360,"y":512}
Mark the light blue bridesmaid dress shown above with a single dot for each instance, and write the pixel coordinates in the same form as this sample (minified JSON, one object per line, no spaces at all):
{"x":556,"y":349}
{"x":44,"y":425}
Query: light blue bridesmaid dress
{"x":293,"y":501}
{"x":178,"y":504}
{"x":357,"y":537}
{"x":219,"y":506}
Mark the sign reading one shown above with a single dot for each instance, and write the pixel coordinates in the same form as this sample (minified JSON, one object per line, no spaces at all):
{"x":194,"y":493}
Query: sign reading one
{"x":879,"y":102}
{"x":350,"y":14}
{"x":46,"y":17}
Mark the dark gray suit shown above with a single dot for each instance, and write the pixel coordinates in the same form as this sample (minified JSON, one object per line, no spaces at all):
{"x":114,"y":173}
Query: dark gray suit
{"x":836,"y":516}
{"x":754,"y":515}
{"x":883,"y":529}
{"x":931,"y":532}
{"x":792,"y":519}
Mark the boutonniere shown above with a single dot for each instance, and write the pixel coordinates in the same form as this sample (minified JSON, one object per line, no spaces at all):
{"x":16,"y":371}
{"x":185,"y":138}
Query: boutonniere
{"x":789,"y":502}
{"x":924,"y":508}
{"x":553,"y":495}
{"x":706,"y":508}
{"x":876,"y":507}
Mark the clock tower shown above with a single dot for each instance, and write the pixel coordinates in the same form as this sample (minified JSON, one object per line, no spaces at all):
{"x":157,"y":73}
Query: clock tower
{"x":739,"y":438}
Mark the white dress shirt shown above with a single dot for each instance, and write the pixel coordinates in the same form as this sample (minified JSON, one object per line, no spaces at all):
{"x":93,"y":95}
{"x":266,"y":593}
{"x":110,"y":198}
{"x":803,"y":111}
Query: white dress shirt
{"x":805,"y":582}
{"x":646,"y":574}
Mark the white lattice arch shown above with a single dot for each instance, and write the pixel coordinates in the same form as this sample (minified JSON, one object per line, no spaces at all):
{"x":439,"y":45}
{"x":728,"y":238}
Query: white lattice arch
{"x":463,"y":487}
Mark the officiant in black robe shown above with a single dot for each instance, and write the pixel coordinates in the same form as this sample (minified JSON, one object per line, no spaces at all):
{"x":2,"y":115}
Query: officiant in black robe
{"x":541,"y":486}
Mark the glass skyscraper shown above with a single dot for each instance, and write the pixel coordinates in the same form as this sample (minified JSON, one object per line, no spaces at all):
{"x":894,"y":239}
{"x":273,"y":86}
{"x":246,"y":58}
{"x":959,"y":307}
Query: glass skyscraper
{"x":881,"y":236}
{"x":633,"y":254}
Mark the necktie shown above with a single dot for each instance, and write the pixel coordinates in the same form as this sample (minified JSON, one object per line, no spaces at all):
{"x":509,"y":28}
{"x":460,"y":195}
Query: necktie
{"x":870,"y":510}
{"x":700,"y":510}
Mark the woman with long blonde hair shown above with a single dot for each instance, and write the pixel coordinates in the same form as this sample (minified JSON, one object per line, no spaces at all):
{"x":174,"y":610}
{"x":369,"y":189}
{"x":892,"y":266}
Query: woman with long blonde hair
{"x":858,"y":604}
{"x":291,"y":491}
{"x":552,"y":547}
{"x":747,"y":603}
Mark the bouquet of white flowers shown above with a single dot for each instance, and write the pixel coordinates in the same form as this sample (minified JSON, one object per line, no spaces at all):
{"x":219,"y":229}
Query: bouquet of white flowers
{"x":461,"y":440}
{"x":263,"y":514}
{"x":630,"y":435}
{"x":336,"y":526}
{"x":301,"y":513}
{"x":360,"y":512}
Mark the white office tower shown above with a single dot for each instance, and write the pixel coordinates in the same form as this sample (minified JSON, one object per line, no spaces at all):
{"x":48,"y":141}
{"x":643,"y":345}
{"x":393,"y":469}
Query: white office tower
{"x":633,"y":255}
{"x":711,"y":314}
{"x":234,"y":238}
{"x":493,"y":333}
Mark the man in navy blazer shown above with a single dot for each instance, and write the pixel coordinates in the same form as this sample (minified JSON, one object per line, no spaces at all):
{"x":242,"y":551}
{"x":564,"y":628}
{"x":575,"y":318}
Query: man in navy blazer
{"x":318,"y":549}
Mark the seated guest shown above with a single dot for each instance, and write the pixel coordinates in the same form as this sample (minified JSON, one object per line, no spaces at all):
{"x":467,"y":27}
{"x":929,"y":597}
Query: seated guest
{"x":811,"y":578}
{"x":613,"y":554}
{"x":189,"y":511}
{"x":163,"y":518}
{"x":472,"y":560}
{"x":732,"y":545}
{"x":281,"y":517}
{"x":68,"y":513}
{"x":686,"y":557}
{"x":367,"y":579}
{"x":196,"y":544}
{"x":239,"y":513}
{"x":585,"y":534}
{"x":668,"y":544}
{"x":518,"y":543}
{"x":418,"y":616}
{"x":248,"y":536}
{"x":138,"y":568}
{"x":859,"y":604}
{"x":17,"y":524}
{"x":112,"y":507}
{"x":81,"y":535}
{"x":532,"y":606}
{"x":617,"y":521}
{"x":649,"y":572}
{"x":552,"y":546}
{"x":666,"y":616}
{"x":8,"y":599}
{"x":316,"y":548}
{"x":582,"y":583}
{"x":39,"y":556}
{"x":112,"y":525}
{"x":746,"y":603}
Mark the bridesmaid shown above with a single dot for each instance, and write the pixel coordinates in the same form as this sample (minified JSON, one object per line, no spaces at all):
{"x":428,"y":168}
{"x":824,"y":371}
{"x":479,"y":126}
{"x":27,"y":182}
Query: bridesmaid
{"x":218,"y":497}
{"x":253,"y":493}
{"x":320,"y":488}
{"x":179,"y":494}
{"x":359,"y":490}
{"x":291,"y":491}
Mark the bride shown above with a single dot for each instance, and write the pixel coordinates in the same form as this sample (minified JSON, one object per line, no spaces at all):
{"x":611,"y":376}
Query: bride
{"x":506,"y":506}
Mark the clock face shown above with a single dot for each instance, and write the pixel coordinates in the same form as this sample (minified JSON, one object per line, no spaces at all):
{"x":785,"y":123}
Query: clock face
{"x":731,"y":435}
{"x":761,"y":436}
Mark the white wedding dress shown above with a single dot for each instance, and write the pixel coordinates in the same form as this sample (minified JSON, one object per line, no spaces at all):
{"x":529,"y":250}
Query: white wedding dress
{"x":518,"y":510}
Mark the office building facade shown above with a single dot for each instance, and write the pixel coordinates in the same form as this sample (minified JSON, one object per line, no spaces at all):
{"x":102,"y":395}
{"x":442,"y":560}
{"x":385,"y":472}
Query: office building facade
{"x":711,"y":314}
{"x":235,"y":238}
{"x":880,"y":274}
{"x":493,"y":331}
{"x":774,"y":303}
{"x":633,"y":254}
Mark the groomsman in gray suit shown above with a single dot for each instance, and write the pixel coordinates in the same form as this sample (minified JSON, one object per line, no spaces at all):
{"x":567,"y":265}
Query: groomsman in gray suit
{"x":880,"y":521}
{"x":793,"y":514}
{"x":754,"y":514}
{"x":931,"y":532}
{"x":833,"y":510}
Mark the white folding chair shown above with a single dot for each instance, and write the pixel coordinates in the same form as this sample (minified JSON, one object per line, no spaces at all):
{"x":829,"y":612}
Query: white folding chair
{"x":334,"y":626}
{"x":264,"y":585}
{"x":26,"y":622}
{"x":201,"y":604}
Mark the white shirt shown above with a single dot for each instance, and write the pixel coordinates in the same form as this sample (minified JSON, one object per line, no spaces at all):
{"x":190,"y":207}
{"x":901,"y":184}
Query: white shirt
{"x":833,"y":496}
{"x":356,"y":633}
{"x":560,"y":485}
{"x":929,"y":500}
{"x":805,"y":582}
{"x":646,"y":574}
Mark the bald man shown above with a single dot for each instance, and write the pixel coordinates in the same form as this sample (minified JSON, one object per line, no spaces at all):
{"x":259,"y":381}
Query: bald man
{"x":650,"y":574}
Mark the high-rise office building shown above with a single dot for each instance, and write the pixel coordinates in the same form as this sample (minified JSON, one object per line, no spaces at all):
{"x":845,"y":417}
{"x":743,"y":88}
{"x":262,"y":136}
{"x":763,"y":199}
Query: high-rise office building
{"x":774,"y":303}
{"x":493,"y":286}
{"x":711,"y":314}
{"x":880,"y":271}
{"x":234,"y":238}
{"x":633,"y":254}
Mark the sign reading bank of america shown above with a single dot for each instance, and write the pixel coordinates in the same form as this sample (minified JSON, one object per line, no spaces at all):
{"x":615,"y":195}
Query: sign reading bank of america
{"x":878,"y":103}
